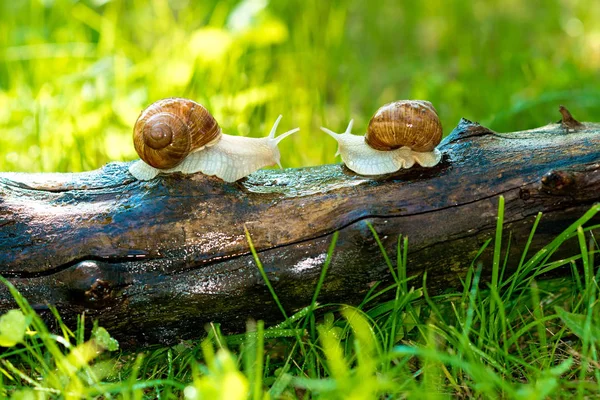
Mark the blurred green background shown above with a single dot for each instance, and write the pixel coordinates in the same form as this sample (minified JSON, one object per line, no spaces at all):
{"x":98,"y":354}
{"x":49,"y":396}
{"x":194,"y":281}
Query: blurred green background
{"x":74,"y":75}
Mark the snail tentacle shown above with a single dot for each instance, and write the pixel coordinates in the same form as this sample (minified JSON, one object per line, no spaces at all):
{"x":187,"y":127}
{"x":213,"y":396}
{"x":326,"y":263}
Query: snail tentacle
{"x":335,"y":135}
{"x":359,"y":157}
{"x":274,"y":141}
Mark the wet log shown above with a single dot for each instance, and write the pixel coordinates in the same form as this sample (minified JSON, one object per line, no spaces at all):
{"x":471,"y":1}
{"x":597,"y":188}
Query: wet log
{"x":155,"y":261}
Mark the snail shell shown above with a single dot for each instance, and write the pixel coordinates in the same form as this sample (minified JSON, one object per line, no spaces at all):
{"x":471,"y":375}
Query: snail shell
{"x":180,"y":135}
{"x":170,"y":129}
{"x":400,"y":134}
{"x":410,"y":123}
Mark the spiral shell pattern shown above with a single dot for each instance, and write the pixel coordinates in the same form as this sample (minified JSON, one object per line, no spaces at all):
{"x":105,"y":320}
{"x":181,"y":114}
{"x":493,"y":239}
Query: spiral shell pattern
{"x":168,"y":130}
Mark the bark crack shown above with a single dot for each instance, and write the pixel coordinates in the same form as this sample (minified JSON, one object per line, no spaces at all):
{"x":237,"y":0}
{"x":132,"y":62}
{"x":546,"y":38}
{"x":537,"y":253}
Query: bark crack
{"x":219,"y":259}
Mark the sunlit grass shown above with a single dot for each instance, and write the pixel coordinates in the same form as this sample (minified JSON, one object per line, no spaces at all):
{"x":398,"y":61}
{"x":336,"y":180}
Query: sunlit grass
{"x":74,"y":75}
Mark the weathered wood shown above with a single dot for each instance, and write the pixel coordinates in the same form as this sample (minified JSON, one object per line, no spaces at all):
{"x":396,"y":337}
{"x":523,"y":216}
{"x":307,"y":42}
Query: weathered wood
{"x":154,"y":261}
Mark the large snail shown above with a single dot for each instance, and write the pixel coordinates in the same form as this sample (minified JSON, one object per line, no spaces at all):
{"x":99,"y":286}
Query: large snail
{"x":399,"y":134}
{"x":180,"y":135}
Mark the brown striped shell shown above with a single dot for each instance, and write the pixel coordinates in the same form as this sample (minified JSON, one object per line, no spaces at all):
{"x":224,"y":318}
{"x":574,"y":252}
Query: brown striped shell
{"x":168,"y":130}
{"x":411,"y":123}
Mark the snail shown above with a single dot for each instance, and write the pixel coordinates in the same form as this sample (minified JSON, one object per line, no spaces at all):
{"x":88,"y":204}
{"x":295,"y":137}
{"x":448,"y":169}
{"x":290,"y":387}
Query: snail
{"x":180,"y":135}
{"x":399,"y":134}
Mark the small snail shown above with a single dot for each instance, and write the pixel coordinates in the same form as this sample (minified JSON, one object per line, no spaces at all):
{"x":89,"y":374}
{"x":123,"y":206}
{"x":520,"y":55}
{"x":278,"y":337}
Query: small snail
{"x":180,"y":135}
{"x":399,"y":134}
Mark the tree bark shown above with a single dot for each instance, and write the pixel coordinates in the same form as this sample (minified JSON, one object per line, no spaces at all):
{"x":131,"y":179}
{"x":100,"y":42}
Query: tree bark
{"x":154,"y":261}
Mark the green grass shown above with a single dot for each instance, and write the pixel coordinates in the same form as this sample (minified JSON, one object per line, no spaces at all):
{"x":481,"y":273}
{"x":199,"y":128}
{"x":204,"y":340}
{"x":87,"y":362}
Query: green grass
{"x":74,"y":75}
{"x":515,"y":337}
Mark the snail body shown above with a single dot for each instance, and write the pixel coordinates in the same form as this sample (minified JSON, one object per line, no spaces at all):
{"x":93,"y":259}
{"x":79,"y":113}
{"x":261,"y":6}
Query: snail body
{"x":399,"y":135}
{"x":180,"y":135}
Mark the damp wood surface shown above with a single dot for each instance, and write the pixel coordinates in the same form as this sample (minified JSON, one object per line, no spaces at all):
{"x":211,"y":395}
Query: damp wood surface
{"x":155,"y":261}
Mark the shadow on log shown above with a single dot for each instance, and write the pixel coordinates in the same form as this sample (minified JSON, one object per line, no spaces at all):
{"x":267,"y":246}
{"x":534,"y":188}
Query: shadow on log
{"x":154,"y":261}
